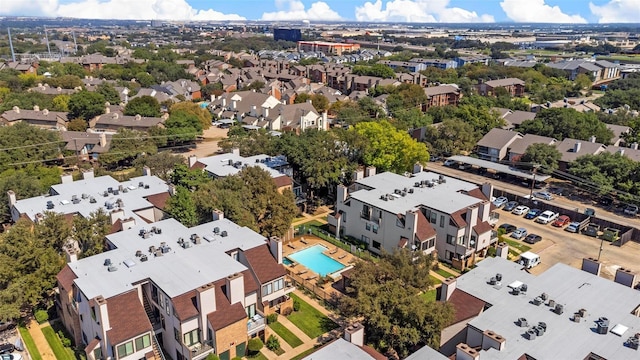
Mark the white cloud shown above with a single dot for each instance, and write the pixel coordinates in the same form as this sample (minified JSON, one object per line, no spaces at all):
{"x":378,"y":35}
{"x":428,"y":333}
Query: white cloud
{"x":537,"y":11}
{"x":617,"y":11}
{"x":115,"y":9}
{"x":417,"y":11}
{"x":295,"y":10}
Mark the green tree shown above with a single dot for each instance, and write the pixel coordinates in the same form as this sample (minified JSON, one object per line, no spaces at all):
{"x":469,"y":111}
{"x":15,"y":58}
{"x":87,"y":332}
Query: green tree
{"x":109,"y":92}
{"x":560,"y":123}
{"x":193,"y":109}
{"x":390,"y":149}
{"x":250,"y":199}
{"x":77,"y":125}
{"x":249,"y":143}
{"x":144,"y":106}
{"x":182,"y":126}
{"x":65,"y":81}
{"x":583,"y":82}
{"x":126,"y":145}
{"x":61,"y":103}
{"x":451,"y":137}
{"x":145,"y":79}
{"x":24,"y":144}
{"x":404,"y":320}
{"x":182,"y":207}
{"x":90,"y":232}
{"x":606,"y":172}
{"x":378,"y":70}
{"x":191,"y":179}
{"x":85,"y":104}
{"x":160,"y":164}
{"x":544,"y":155}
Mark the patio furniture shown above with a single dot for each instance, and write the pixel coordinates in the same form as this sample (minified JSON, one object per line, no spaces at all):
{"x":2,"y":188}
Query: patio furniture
{"x":291,"y":246}
{"x":302,"y":240}
{"x":342,"y":256}
{"x":334,"y":251}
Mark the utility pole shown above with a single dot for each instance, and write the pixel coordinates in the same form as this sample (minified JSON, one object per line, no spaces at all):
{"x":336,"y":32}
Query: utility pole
{"x":535,"y":170}
{"x":13,"y":54}
{"x":46,"y":38}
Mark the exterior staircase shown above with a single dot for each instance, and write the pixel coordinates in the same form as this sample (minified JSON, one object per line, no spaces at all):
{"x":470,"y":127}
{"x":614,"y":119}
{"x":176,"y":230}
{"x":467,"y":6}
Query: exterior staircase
{"x":149,"y":310}
{"x":157,"y":352}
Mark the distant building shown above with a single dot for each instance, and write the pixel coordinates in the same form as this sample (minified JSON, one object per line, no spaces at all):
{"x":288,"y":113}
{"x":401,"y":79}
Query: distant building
{"x":327,"y":47}
{"x":287,"y":34}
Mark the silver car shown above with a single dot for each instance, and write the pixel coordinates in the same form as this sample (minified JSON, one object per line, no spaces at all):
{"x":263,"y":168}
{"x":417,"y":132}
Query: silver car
{"x":519,"y":233}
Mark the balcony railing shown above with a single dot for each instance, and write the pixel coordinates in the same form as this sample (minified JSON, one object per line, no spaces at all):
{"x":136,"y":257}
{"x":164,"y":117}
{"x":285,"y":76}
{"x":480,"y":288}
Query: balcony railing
{"x":255,"y":324}
{"x":200,"y":348}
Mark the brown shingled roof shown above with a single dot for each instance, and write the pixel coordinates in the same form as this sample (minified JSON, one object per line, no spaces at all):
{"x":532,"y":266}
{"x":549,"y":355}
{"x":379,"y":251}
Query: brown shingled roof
{"x":263,"y":264}
{"x":226,"y":313}
{"x":249,"y":282}
{"x":198,"y":165}
{"x":159,"y":200}
{"x":65,"y":277}
{"x":458,"y":219}
{"x":373,"y":353}
{"x":184,"y":305}
{"x":466,"y":305}
{"x":482,"y":228}
{"x":283,"y":180}
{"x":477,"y":193}
{"x":424,"y":230}
{"x":126,"y":317}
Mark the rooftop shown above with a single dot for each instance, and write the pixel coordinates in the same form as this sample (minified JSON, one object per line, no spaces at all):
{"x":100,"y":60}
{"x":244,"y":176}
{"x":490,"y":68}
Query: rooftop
{"x":564,"y":339}
{"x":230,"y":164}
{"x":340,"y":349}
{"x":445,"y":197}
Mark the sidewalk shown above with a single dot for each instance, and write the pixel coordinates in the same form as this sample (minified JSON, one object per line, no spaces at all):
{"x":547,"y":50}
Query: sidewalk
{"x":40,"y":340}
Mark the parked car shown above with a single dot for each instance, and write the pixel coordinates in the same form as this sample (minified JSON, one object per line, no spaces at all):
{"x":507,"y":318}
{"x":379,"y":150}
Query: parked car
{"x":510,"y":206}
{"x":12,"y":356}
{"x":6,"y":325}
{"x":449,"y":162}
{"x":435,"y":158}
{"x":592,"y":230}
{"x":519,"y":233}
{"x":561,"y":221}
{"x":532,"y":214}
{"x":573,"y":227}
{"x":590,"y":212}
{"x":520,"y":210}
{"x":498,"y":202}
{"x":543,"y":195}
{"x":631,"y":210}
{"x":6,"y":348}
{"x":547,"y":217}
{"x":532,"y":238}
{"x":507,"y":228}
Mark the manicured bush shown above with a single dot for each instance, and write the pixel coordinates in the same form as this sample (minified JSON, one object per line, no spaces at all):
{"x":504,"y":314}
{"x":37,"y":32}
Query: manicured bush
{"x":271,"y":318}
{"x":66,"y":342}
{"x":255,"y":345}
{"x":491,"y":252}
{"x":212,"y":357}
{"x":273,"y":343}
{"x":41,"y":316}
{"x":296,"y":305}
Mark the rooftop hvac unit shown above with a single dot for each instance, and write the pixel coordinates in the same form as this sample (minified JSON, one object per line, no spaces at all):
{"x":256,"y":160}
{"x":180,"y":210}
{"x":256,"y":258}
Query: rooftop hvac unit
{"x":499,"y":277}
{"x":158,"y":253}
{"x":539,"y":330}
{"x":530,"y":334}
{"x":522,"y":322}
{"x":84,"y":196}
{"x":92,"y":200}
{"x":523,"y":288}
{"x":582,"y":312}
{"x":223,"y":234}
{"x":410,"y":191}
{"x":180,"y":241}
{"x":112,"y":268}
{"x":537,"y":300}
{"x":416,"y":184}
{"x":50,"y":205}
{"x":186,"y":245}
{"x":146,"y":186}
{"x":603,"y":325}
{"x":140,"y":184}
{"x":216,"y":230}
{"x":105,"y":194}
{"x":544,"y":296}
{"x":559,"y":309}
{"x":138,"y":253}
{"x":552,"y":303}
{"x":492,"y":281}
{"x":116,"y":192}
{"x":165,"y":249}
{"x":74,"y":197}
{"x":152,"y":249}
{"x":143,"y":258}
{"x":576,"y":318}
{"x":383,"y":197}
{"x":109,"y":190}
{"x":107,"y":262}
{"x":515,"y":291}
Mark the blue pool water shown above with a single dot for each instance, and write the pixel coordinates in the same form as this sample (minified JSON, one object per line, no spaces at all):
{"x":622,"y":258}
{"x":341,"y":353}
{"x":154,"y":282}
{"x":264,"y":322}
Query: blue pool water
{"x":314,"y":259}
{"x":286,"y":261}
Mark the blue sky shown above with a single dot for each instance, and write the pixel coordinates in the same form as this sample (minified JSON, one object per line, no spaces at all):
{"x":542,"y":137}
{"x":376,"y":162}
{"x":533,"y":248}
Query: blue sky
{"x":564,"y":11}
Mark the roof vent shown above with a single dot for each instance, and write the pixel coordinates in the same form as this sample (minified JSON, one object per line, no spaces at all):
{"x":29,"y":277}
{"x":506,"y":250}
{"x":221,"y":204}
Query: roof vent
{"x":92,"y":200}
{"x":152,"y":249}
{"x":582,"y":312}
{"x":544,"y":296}
{"x":551,"y":303}
{"x":602,"y":326}
{"x":216,"y":230}
{"x":224,"y":233}
{"x":112,"y":268}
{"x":143,"y":258}
{"x":537,"y":301}
{"x":530,"y":334}
{"x":633,"y":342}
{"x":186,"y":245}
{"x":107,"y":262}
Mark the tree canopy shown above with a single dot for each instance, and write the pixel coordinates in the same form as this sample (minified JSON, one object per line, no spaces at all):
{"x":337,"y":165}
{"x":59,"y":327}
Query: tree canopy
{"x":144,"y":106}
{"x":606,"y":172}
{"x":86,"y":105}
{"x":385,"y":295}
{"x":544,"y":155}
{"x":561,"y":123}
{"x":126,"y":145}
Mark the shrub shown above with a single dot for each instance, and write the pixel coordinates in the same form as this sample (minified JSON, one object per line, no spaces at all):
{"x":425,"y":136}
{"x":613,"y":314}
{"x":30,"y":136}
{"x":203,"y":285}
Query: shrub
{"x":296,"y":305}
{"x":273,"y":343}
{"x":271,"y":318}
{"x":212,"y":357}
{"x":287,"y":311}
{"x":42,"y":316}
{"x":491,"y":252}
{"x":255,"y":345}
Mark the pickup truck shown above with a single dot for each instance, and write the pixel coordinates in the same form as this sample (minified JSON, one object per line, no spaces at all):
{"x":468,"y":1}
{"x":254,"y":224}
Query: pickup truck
{"x":547,"y":217}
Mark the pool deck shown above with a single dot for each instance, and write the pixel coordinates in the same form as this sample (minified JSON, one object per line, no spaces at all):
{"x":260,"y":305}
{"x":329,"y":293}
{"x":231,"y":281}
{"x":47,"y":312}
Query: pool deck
{"x":302,"y":242}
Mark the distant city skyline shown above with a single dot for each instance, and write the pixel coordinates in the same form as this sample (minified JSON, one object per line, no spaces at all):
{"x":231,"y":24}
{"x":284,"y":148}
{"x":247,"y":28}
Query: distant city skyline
{"x":431,"y":11}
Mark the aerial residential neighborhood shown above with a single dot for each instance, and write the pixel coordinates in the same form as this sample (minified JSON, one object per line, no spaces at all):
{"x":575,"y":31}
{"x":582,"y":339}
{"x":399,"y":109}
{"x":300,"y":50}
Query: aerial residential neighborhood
{"x":304,"y":180}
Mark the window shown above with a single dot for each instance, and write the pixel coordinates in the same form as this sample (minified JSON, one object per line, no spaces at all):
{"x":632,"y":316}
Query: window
{"x":365,"y":239}
{"x":461,"y":240}
{"x":432,"y":243}
{"x":93,"y":313}
{"x":167,"y":306}
{"x":434,"y":217}
{"x":278,"y":285}
{"x":450,"y":239}
{"x":400,"y":222}
{"x":191,"y":337}
{"x":125,"y":349}
{"x":97,"y":353}
{"x":376,"y":245}
{"x":176,"y":334}
{"x":143,"y":342}
{"x":267,"y":289}
{"x":251,"y":310}
{"x":367,"y":226}
{"x":375,"y":229}
{"x":441,"y":220}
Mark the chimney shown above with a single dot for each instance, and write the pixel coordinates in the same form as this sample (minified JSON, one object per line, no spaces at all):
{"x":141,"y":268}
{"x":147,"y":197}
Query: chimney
{"x":146,"y":171}
{"x":224,"y":102}
{"x":66,"y":178}
{"x":265,"y":112}
{"x":107,"y":110}
{"x":206,"y":298}
{"x":235,"y":151}
{"x":355,"y":334}
{"x":487,"y":190}
{"x":217,"y":214}
{"x":116,"y":215}
{"x":16,"y":109}
{"x":472,"y":220}
{"x":137,"y":117}
{"x":358,"y":174}
{"x":12,"y":198}
{"x":128,"y":223}
{"x":634,"y":146}
{"x":491,"y":340}
{"x":342,"y":192}
{"x":102,"y":313}
{"x":192,"y":160}
{"x":502,"y":250}
{"x":370,"y":171}
{"x":485,"y":210}
{"x":103,"y":139}
{"x":171,"y":189}
{"x":620,"y":151}
{"x":417,"y":168}
{"x":446,"y":289}
{"x":465,"y":352}
{"x":88,"y":174}
{"x":576,"y":147}
{"x":625,"y":277}
{"x":36,"y":108}
{"x":70,"y":255}
{"x":592,"y":138}
{"x":275,"y":247}
{"x":325,"y":121}
{"x":591,"y":265}
{"x":235,"y":288}
{"x":234,"y":104}
{"x":254,"y":113}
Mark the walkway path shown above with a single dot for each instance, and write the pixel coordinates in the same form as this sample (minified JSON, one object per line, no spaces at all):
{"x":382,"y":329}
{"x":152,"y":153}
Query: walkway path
{"x":41,"y":342}
{"x":321,"y":217}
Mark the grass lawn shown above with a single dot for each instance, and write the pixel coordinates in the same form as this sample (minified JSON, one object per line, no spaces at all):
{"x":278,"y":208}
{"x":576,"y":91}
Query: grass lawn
{"x":311,"y":321}
{"x":59,"y":350}
{"x":259,"y":356}
{"x":521,"y":247}
{"x":315,"y":223}
{"x":285,"y":334}
{"x":304,"y":354}
{"x":429,"y":296}
{"x":444,"y":273}
{"x":434,"y":280}
{"x":29,"y":343}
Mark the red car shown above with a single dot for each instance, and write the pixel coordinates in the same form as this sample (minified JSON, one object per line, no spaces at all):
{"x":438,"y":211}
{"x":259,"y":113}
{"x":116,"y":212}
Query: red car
{"x":561,"y":221}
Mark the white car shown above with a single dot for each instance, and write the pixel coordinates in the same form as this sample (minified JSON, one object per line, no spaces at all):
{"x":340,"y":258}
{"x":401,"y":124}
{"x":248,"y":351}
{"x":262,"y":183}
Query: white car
{"x":547,"y":217}
{"x":520,"y":210}
{"x":573,"y":227}
{"x":12,"y":356}
{"x":499,"y":202}
{"x":543,"y":195}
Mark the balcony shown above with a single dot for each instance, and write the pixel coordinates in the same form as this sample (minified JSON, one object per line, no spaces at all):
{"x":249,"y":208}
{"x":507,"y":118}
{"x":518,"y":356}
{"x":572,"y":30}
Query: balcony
{"x":201,"y":349}
{"x":365,"y":215}
{"x":255,"y":324}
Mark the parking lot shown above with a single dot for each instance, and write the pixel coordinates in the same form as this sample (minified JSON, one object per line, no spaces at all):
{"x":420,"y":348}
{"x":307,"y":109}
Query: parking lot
{"x":559,"y":246}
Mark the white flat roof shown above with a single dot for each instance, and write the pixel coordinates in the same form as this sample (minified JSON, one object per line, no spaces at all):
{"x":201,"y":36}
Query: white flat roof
{"x":445,"y":197}
{"x":218,"y":165}
{"x":177,"y":271}
{"x":339,"y":349}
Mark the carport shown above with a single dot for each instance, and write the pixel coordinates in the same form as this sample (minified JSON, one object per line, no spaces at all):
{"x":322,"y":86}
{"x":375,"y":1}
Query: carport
{"x":499,"y":168}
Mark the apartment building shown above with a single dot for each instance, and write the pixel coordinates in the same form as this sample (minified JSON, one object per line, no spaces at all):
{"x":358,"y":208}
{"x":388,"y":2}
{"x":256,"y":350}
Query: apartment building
{"x":437,"y":63}
{"x":513,"y":87}
{"x":328,"y":48}
{"x":44,"y":119}
{"x":424,"y":212}
{"x":411,"y":66}
{"x":442,"y":95}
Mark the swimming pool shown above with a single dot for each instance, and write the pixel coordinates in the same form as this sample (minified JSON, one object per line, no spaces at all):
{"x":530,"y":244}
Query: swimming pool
{"x":314,"y":259}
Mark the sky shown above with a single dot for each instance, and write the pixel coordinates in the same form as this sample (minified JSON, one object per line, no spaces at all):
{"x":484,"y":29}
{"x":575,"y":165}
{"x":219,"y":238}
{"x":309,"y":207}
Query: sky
{"x":432,"y":11}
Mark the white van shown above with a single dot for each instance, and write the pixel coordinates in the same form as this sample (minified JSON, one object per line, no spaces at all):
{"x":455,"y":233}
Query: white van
{"x":529,"y":259}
